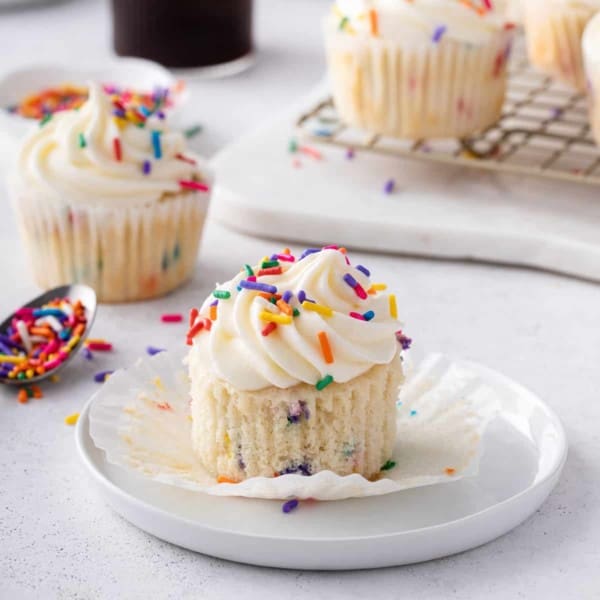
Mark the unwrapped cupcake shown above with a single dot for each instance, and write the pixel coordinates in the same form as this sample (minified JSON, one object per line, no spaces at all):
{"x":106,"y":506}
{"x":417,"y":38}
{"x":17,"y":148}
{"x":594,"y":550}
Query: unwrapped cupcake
{"x":418,"y":68}
{"x":107,"y":196}
{"x":554,"y":30}
{"x":295,"y":368}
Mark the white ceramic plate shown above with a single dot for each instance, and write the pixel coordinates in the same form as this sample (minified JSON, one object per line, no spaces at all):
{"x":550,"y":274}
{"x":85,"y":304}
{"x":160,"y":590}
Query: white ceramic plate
{"x":524,"y":452}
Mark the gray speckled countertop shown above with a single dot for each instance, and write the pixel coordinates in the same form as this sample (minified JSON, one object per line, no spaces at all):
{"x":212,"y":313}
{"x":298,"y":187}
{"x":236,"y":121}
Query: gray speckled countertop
{"x":58,"y":538}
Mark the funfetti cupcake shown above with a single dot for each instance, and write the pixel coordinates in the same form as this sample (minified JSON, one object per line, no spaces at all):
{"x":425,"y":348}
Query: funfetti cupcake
{"x":295,"y":368}
{"x":108,"y":196}
{"x":418,"y":68}
{"x":554,"y":30}
{"x":591,"y":57}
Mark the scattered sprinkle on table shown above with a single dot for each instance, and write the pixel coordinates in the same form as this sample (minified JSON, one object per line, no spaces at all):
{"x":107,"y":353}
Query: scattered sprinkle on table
{"x":151,"y":350}
{"x":172,"y":318}
{"x":389,"y":465}
{"x":290,"y":505}
{"x":350,"y":153}
{"x":192,"y":131}
{"x":450,"y":471}
{"x":389,"y":186}
{"x":72,"y":419}
{"x":102,"y":376}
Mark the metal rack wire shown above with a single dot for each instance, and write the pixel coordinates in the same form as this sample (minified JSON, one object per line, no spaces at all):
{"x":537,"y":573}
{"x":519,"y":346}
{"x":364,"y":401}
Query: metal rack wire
{"x":543,"y":131}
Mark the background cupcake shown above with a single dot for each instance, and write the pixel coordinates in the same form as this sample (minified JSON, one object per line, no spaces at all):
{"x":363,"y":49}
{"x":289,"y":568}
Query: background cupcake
{"x":554,"y":30}
{"x":418,"y":69}
{"x":106,"y":196}
{"x":295,"y":368}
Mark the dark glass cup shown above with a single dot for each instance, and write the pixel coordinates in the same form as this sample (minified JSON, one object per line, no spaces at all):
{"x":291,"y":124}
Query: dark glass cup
{"x":185,"y":34}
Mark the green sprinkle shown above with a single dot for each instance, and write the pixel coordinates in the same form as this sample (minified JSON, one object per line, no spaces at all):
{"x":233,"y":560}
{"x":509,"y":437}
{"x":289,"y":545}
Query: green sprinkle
{"x":390,"y":464}
{"x":222,"y":294}
{"x":267,"y":264}
{"x":249,"y":270}
{"x":82,"y":143}
{"x":21,"y":375}
{"x":296,"y":312}
{"x":192,"y":131}
{"x":293,"y":146}
{"x":45,"y":119}
{"x":323,"y":383}
{"x":343,"y":23}
{"x":273,"y":300}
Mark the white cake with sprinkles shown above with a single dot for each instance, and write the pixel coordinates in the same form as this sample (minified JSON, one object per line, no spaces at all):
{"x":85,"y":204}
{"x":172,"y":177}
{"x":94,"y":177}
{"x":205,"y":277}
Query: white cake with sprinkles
{"x":295,"y":366}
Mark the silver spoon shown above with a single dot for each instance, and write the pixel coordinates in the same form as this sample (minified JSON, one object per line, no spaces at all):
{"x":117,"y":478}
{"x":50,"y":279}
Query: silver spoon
{"x":73,"y":292}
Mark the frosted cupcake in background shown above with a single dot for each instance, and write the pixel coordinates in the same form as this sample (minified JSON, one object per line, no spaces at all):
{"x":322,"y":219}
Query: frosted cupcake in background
{"x":554,"y":29}
{"x":295,"y":368}
{"x":591,"y":57}
{"x":418,"y":69}
{"x":107,"y":196}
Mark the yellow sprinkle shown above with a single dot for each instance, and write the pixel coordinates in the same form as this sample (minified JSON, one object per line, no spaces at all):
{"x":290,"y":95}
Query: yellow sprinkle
{"x":190,"y":418}
{"x":393,"y":307}
{"x":275,"y":318}
{"x":378,"y":287}
{"x":73,"y":342}
{"x":54,"y":378}
{"x":29,"y":373}
{"x":13,"y":360}
{"x":72,"y":419}
{"x":318,"y":308}
{"x":157,"y":381}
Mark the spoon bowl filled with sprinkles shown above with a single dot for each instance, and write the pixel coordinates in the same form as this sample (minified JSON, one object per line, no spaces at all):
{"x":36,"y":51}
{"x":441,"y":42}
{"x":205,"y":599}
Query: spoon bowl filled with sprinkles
{"x":41,"y":337}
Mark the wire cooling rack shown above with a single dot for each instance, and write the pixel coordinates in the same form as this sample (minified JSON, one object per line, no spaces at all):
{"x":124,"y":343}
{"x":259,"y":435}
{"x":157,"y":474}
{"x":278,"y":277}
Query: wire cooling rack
{"x":543,"y":131}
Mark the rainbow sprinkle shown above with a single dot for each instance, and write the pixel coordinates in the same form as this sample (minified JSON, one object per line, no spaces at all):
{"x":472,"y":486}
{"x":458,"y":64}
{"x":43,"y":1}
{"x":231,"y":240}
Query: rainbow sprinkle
{"x":390,"y":464}
{"x":438,"y":33}
{"x":290,"y":505}
{"x":171,"y":318}
{"x":325,"y":347}
{"x":318,"y":308}
{"x":323,"y":383}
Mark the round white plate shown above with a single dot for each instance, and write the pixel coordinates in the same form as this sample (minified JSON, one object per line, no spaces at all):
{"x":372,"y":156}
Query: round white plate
{"x":524,"y":452}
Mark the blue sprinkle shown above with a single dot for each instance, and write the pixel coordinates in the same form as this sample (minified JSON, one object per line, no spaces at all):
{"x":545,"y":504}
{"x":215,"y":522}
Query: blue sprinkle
{"x":65,"y":334}
{"x":388,"y":188}
{"x":309,"y":251}
{"x":289,"y":506}
{"x":364,"y":270}
{"x":146,"y":167}
{"x":101,"y":377}
{"x":287,"y":296}
{"x":87,"y":354}
{"x":151,"y":350}
{"x":413,"y":412}
{"x":368,"y":315}
{"x":322,"y":132}
{"x":46,"y":312}
{"x":399,"y":403}
{"x":156,"y":144}
{"x":438,"y":33}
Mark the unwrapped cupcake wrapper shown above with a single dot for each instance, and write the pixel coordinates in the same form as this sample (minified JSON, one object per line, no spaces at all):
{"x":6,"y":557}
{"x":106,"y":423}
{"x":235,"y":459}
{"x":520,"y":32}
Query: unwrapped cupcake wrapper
{"x":124,"y":253}
{"x":448,"y":89}
{"x":554,"y":40}
{"x":141,"y":420}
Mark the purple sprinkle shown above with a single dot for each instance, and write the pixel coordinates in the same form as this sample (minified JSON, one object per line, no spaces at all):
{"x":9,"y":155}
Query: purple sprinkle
{"x":4,"y":348}
{"x":160,"y":114}
{"x":350,"y":280}
{"x":287,"y":296}
{"x":290,"y":505}
{"x":147,"y":167}
{"x":10,"y":343}
{"x":364,"y":270}
{"x":255,"y":285}
{"x":388,"y":188}
{"x":350,"y":153}
{"x":556,"y":112}
{"x":101,"y":376}
{"x":301,"y":296}
{"x":214,"y":303}
{"x":438,"y":33}
{"x":309,"y":251}
{"x":119,"y":112}
{"x":87,"y":354}
{"x":151,"y":350}
{"x":403,"y":340}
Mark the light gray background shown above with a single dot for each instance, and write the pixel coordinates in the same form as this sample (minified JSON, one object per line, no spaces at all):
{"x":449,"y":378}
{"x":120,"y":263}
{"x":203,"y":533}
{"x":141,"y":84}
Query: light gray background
{"x":58,"y":540}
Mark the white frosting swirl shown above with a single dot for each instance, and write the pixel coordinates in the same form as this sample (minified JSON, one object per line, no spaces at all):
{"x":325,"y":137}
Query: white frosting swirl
{"x":419,"y":20}
{"x":237,"y":351}
{"x":72,"y":157}
{"x":591,"y":47}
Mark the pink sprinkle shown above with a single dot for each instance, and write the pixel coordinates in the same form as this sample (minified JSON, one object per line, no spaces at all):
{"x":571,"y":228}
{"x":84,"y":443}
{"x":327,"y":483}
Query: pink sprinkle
{"x":359,"y":290}
{"x":100,"y":346}
{"x":296,"y":163}
{"x":172,"y":318}
{"x":311,"y":152}
{"x":251,"y":278}
{"x":331,"y":247}
{"x":358,"y":316}
{"x":194,"y":185}
{"x":285,"y":257}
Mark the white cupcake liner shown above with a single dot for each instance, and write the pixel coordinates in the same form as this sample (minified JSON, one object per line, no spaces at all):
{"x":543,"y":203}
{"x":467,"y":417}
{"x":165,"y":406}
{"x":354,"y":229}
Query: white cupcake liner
{"x":448,"y":89}
{"x":591,"y":60}
{"x":124,"y":253}
{"x":141,"y":420}
{"x":554,"y":34}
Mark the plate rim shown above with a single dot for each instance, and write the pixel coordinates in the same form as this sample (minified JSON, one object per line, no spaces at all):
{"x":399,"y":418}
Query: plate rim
{"x":82,"y":431}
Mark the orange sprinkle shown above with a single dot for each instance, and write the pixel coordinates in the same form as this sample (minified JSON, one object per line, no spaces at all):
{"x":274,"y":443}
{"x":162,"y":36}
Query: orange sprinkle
{"x":286,"y":251}
{"x":22,"y":396}
{"x":325,"y":347}
{"x":43,"y":331}
{"x":342,"y":250}
{"x":37,"y":392}
{"x":374,"y":23}
{"x":223,"y":479}
{"x":213,"y":313}
{"x":284,"y":307}
{"x":164,"y":406}
{"x":268,"y":296}
{"x":450,"y":471}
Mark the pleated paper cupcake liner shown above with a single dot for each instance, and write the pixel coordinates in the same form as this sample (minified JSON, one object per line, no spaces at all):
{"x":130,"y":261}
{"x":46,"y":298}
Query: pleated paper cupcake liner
{"x":124,"y":253}
{"x":141,"y":420}
{"x":554,"y":40}
{"x":411,"y":90}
